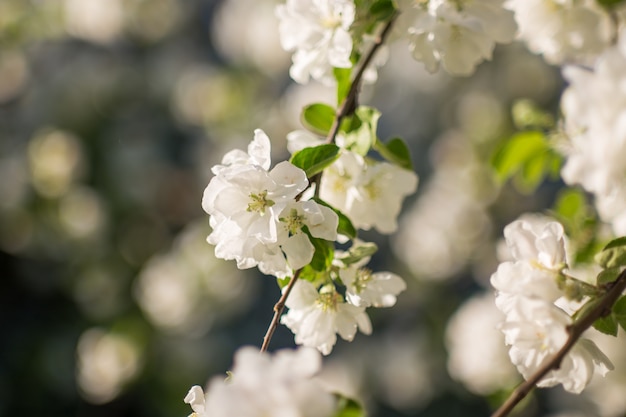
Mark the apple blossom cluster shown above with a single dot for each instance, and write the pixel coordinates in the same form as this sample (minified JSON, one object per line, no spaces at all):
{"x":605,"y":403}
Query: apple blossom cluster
{"x":260,"y":384}
{"x":535,"y":308}
{"x":255,"y":217}
{"x":594,"y":109}
{"x":263,"y":217}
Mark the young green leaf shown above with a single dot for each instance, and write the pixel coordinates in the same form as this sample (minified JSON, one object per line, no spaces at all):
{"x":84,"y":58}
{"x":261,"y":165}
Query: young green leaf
{"x":345,"y":226}
{"x":347,"y":407}
{"x":318,"y":118}
{"x":324,"y":253}
{"x":613,"y":255}
{"x":395,"y":151}
{"x":606,"y":276}
{"x":528,"y":158}
{"x":606,"y":325}
{"x":362,"y":136}
{"x":382,"y":10}
{"x":358,"y":252}
{"x":313,"y":160}
{"x":619,"y":311}
{"x":342,"y":75}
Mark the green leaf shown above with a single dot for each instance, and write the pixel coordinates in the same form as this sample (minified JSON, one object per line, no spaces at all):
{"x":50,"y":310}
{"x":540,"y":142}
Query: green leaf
{"x":619,"y":311}
{"x":613,"y":255}
{"x":606,"y":325}
{"x":515,"y":152}
{"x":342,"y":75}
{"x":361,"y":136}
{"x":607,"y":276}
{"x":528,"y":157}
{"x":395,"y":151}
{"x":345,"y":226}
{"x":324,"y":253}
{"x":571,"y":204}
{"x":358,"y":252}
{"x":347,"y":407}
{"x":313,"y":160}
{"x":318,"y":118}
{"x":615,"y":243}
{"x":382,"y":9}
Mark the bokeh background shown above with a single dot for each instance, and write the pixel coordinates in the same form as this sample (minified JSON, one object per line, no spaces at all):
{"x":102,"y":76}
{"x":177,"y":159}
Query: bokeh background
{"x":112,"y":113}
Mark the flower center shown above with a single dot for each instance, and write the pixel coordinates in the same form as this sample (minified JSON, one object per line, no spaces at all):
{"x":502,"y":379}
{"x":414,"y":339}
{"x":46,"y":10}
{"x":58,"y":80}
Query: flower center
{"x":328,"y":298}
{"x":363,"y":276}
{"x":293,"y":222}
{"x":259,"y":202}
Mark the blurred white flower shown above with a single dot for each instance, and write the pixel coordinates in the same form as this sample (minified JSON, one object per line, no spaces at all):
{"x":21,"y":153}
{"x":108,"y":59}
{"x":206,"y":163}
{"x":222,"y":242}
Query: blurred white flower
{"x":281,"y":385}
{"x":537,"y":246}
{"x":457,"y":35}
{"x":477,"y":356}
{"x":318,"y":32}
{"x":537,"y":332}
{"x":563,"y":30}
{"x":594,"y":108}
{"x":315,"y":317}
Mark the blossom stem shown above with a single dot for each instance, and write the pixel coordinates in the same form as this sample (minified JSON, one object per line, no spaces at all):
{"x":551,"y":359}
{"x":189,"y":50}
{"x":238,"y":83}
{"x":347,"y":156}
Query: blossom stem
{"x":349,"y":103}
{"x":278,"y":311}
{"x":575,"y":330}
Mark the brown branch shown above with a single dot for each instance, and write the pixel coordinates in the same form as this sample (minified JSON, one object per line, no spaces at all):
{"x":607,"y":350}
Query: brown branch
{"x":349,"y":103}
{"x":278,"y":311}
{"x":347,"y":107}
{"x":601,"y":309}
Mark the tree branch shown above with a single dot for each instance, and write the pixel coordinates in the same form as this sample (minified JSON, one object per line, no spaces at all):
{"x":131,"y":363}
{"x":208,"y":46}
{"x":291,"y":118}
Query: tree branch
{"x":602,"y":309}
{"x":347,"y":107}
{"x":278,"y":311}
{"x":349,"y":103}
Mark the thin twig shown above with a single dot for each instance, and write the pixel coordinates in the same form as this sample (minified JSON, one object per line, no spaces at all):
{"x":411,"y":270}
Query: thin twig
{"x":347,"y":107}
{"x":602,"y":309}
{"x":349,"y":103}
{"x":278,"y":311}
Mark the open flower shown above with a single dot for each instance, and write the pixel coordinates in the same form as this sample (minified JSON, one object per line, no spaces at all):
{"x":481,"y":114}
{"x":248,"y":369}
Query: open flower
{"x":367,"y":288}
{"x":245,"y":201}
{"x":369,"y":193}
{"x":315,"y":317}
{"x":537,"y":333}
{"x":317,"y":30}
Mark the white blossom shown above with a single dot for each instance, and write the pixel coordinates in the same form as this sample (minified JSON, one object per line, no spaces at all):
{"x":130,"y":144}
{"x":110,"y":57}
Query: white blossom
{"x":537,"y":246}
{"x":245,"y":201}
{"x":318,"y":33}
{"x":563,"y":30}
{"x":280,"y":385}
{"x":457,"y":35}
{"x":320,"y":221}
{"x":594,"y":108}
{"x":367,"y":288}
{"x":369,"y":193}
{"x":537,"y":333}
{"x":315,"y":317}
{"x":477,"y":356}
